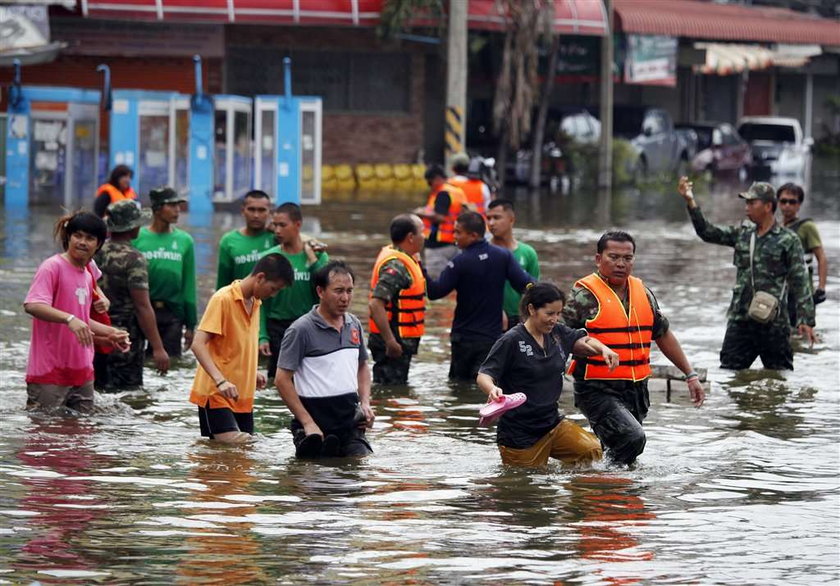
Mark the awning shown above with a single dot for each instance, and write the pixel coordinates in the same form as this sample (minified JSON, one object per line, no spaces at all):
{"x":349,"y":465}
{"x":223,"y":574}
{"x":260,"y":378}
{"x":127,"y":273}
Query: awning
{"x":729,"y":58}
{"x":726,"y":59}
{"x":580,"y":17}
{"x":576,"y":17}
{"x":708,"y":20}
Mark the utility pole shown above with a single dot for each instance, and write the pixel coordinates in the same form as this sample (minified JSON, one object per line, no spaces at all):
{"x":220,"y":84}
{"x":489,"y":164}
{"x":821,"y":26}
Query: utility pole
{"x":605,"y":154}
{"x":456,"y":79}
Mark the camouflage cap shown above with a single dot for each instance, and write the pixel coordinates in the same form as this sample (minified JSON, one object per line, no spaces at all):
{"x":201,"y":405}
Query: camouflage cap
{"x":164,"y":194}
{"x":460,"y":159}
{"x":126,"y":215}
{"x":759,"y":190}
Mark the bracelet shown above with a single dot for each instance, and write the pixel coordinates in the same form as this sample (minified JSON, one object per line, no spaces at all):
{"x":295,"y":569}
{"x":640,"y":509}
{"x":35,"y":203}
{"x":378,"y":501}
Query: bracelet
{"x":69,"y":318}
{"x":221,"y":382}
{"x":691,"y":375}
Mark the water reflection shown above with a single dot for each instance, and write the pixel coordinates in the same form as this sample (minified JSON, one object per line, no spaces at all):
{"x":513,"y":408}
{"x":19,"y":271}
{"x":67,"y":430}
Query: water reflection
{"x":221,"y":547}
{"x":56,"y":507}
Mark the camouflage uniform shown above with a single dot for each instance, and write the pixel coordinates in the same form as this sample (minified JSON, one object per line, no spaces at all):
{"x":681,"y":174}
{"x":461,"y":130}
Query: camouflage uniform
{"x":393,"y":278}
{"x":778,"y":260}
{"x":123,"y":269}
{"x":615,"y":408}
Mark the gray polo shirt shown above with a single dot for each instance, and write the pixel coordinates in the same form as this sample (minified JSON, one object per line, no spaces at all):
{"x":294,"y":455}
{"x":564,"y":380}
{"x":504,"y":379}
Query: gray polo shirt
{"x":326,"y":365}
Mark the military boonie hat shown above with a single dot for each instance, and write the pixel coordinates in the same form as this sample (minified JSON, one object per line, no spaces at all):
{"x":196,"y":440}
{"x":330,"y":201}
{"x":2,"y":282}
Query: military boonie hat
{"x":126,"y":215}
{"x":759,"y":190}
{"x":164,"y":194}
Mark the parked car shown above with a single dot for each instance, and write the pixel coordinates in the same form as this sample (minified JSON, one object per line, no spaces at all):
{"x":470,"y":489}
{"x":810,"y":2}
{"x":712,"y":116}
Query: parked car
{"x":778,"y":145}
{"x":720,"y":149}
{"x":651,"y":132}
{"x":563,"y":126}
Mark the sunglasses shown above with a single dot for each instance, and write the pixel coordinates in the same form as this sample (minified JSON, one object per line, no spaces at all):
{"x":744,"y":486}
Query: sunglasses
{"x":792,"y":202}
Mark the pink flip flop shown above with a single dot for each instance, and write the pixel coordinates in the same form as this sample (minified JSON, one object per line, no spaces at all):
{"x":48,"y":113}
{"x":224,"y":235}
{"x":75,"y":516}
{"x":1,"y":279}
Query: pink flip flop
{"x":493,"y":410}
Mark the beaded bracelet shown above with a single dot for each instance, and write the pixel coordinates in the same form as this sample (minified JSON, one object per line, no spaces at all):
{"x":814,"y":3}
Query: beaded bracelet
{"x":691,"y":375}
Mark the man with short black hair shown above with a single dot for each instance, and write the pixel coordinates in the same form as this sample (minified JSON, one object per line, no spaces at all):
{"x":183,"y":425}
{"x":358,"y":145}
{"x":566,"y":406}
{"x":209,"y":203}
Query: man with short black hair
{"x":397,"y":302}
{"x":307,"y":257}
{"x":616,"y":400}
{"x":790,"y":198}
{"x":240,"y":249}
{"x":479,"y":275}
{"x":323,"y":375}
{"x":769,"y":259}
{"x":500,"y":220}
{"x":226,"y":349}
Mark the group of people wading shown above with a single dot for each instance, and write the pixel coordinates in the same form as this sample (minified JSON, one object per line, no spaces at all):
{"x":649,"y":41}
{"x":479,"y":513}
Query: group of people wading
{"x":280,"y":295}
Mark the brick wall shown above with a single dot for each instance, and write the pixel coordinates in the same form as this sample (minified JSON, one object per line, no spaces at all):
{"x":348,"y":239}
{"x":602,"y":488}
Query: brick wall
{"x":389,"y":138}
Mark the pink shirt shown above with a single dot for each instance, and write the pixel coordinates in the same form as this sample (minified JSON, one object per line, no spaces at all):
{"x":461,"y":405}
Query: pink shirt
{"x":55,"y":355}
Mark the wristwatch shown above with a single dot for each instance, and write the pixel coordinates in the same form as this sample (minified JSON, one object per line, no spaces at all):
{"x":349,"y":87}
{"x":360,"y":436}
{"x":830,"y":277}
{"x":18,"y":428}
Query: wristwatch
{"x":70,"y":318}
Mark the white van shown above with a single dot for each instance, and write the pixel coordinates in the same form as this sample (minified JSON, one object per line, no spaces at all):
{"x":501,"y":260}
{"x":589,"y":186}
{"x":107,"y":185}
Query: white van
{"x":778,"y":146}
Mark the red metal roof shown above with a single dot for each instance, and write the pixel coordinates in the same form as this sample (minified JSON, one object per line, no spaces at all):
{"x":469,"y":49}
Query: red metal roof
{"x":706,"y":20}
{"x":582,"y":17}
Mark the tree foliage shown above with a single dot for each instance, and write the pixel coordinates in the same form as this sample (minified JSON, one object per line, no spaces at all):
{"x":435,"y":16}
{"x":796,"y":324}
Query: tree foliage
{"x":516,"y":89}
{"x":396,"y":15}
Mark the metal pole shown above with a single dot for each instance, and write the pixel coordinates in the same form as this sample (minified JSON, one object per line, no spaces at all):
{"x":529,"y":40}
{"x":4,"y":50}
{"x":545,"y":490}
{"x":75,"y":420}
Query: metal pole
{"x":456,"y":79}
{"x":605,"y":159}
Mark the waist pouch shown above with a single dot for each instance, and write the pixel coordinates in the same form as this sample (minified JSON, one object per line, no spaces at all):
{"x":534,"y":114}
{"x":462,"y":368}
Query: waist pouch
{"x":763,"y":308}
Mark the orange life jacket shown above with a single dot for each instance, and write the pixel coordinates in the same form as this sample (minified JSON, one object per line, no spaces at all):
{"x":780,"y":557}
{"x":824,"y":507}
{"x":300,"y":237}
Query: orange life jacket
{"x":411,"y":302}
{"x":627,"y":332}
{"x":473,"y":191}
{"x":446,"y":229}
{"x":116,"y":194}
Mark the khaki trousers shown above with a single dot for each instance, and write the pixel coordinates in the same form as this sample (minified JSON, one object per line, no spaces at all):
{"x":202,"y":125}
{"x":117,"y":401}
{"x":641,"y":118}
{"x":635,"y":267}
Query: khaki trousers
{"x":567,"y":442}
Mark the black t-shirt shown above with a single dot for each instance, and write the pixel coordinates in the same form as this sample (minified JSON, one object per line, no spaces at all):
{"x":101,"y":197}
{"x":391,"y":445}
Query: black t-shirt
{"x":518,"y":365}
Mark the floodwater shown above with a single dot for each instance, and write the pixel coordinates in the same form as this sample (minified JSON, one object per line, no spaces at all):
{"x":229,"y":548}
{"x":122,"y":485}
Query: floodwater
{"x":744,"y":490}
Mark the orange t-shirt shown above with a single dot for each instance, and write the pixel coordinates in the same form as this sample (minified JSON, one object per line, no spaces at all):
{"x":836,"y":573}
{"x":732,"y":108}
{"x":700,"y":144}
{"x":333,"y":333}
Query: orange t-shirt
{"x":233,"y":347}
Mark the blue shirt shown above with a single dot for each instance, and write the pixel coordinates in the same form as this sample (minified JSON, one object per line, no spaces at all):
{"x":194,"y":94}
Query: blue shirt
{"x":479,"y":275}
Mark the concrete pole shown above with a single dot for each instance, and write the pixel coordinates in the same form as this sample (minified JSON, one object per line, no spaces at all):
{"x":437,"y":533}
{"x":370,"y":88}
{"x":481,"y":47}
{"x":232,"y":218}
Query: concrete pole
{"x":605,"y":158}
{"x":809,"y":105}
{"x":456,"y":80}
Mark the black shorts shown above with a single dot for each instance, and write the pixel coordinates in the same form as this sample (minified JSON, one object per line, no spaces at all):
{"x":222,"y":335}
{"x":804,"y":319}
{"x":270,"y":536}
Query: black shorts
{"x":221,"y":420}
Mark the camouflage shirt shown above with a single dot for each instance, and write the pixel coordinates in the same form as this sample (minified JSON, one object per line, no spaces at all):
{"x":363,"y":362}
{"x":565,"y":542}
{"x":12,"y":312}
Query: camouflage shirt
{"x":123,"y":268}
{"x":779,"y":259}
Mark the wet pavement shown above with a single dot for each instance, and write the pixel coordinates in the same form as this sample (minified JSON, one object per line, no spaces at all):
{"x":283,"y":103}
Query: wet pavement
{"x":744,"y":490}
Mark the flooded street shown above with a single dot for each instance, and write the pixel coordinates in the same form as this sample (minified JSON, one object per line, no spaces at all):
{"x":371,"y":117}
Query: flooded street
{"x":744,"y":490}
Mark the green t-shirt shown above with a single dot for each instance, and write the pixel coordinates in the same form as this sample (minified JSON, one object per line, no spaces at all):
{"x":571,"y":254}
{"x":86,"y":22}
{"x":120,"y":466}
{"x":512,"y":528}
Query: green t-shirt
{"x":239,"y":253}
{"x":809,"y":235}
{"x":526,"y":256}
{"x":171,"y":259}
{"x":292,"y":302}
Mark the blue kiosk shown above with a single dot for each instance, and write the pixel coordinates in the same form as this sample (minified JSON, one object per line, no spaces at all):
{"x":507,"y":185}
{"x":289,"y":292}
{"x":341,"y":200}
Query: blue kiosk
{"x":52,"y":143}
{"x":287,"y":157}
{"x":149,"y":133}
